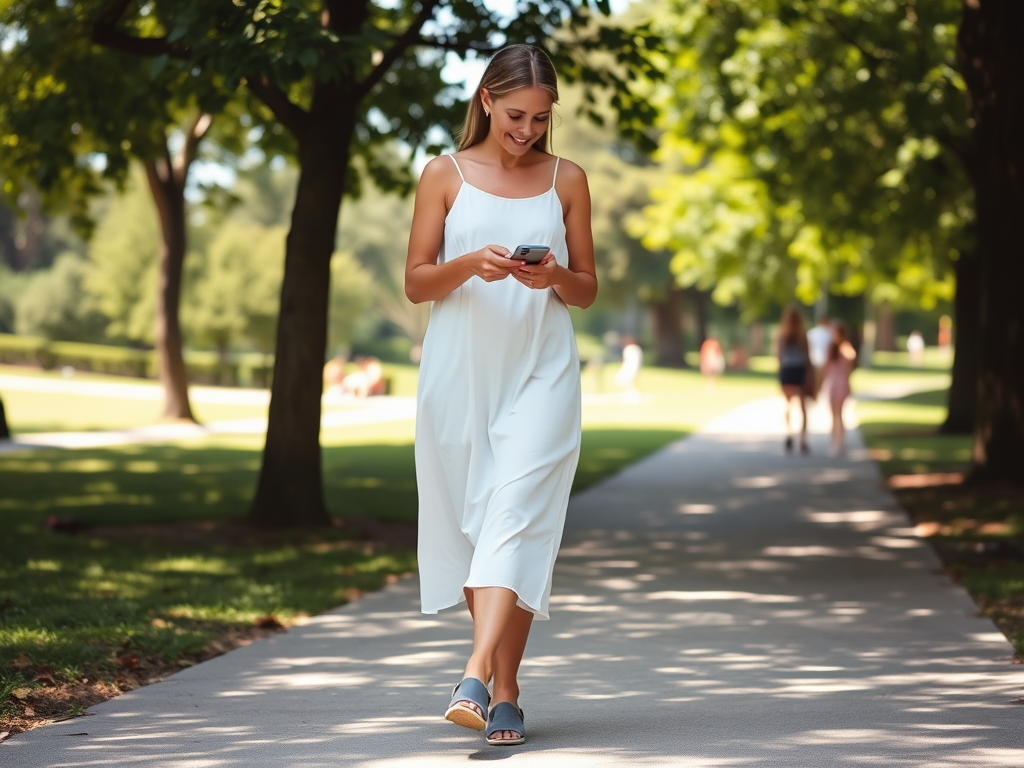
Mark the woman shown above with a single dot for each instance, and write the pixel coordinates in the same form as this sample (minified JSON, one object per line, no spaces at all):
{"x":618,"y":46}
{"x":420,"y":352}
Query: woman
{"x":498,"y":424}
{"x":836,"y":382}
{"x":794,"y":367}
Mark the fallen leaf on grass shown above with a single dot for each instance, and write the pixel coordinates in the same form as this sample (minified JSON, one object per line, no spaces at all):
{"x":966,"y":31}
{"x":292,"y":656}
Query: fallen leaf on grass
{"x":926,"y":480}
{"x":21,"y":693}
{"x":128,"y":661}
{"x":44,"y":675}
{"x":268,"y":622}
{"x":22,"y":661}
{"x":4,"y":735}
{"x":29,"y":712}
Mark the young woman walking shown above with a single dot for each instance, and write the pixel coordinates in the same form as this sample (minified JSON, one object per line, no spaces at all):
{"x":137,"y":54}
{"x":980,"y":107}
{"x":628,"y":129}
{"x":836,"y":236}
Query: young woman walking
{"x":794,"y":368}
{"x":498,"y":418}
{"x":839,"y":364}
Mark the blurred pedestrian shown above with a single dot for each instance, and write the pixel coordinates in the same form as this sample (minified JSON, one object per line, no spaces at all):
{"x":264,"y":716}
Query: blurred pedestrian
{"x":819,"y":339}
{"x":629,"y":371}
{"x":712,"y":362}
{"x":915,"y":348}
{"x":842,"y":358}
{"x":795,"y":372}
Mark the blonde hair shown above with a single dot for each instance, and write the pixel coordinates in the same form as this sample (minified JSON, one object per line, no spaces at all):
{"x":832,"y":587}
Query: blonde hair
{"x":511,"y":68}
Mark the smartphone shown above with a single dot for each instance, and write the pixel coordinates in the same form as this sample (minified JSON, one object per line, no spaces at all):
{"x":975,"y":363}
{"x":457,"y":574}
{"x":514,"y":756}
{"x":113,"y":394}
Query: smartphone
{"x":531,"y":254}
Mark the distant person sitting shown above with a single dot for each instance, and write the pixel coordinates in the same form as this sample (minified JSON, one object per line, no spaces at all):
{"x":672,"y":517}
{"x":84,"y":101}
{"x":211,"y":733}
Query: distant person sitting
{"x":915,"y":348}
{"x":712,"y":362}
{"x":819,"y":339}
{"x":368,"y":380}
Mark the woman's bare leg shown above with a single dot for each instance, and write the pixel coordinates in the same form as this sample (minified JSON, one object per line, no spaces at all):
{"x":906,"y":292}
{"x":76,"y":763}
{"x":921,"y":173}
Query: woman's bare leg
{"x":838,"y":428}
{"x":803,"y":423}
{"x":507,"y":656}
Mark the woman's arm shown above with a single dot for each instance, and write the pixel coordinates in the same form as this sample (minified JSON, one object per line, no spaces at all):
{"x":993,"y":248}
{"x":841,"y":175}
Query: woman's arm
{"x":575,"y":284}
{"x":425,"y":279}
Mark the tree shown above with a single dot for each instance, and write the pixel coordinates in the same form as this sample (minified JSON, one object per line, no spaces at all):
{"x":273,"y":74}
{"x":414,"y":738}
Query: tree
{"x":343,"y":78}
{"x":65,"y":100}
{"x":55,"y":305}
{"x":124,"y":253}
{"x":992,"y":59}
{"x":374,"y":229}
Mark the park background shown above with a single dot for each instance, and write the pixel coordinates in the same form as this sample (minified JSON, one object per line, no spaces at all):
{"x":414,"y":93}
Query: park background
{"x":742,"y":156}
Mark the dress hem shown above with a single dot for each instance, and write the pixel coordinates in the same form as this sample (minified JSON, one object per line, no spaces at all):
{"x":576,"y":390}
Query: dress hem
{"x":520,"y":602}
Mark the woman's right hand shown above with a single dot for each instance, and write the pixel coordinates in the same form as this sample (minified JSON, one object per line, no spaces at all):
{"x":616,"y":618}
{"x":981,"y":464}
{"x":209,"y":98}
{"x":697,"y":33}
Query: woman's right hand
{"x":492,"y":263}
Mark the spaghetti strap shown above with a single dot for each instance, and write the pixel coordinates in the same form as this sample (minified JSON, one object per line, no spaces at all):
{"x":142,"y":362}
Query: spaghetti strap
{"x":554,"y":176}
{"x":460,"y":170}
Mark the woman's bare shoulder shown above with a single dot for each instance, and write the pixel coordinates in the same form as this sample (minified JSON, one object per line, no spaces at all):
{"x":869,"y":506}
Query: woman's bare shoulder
{"x":570,"y":173}
{"x":439,"y":170}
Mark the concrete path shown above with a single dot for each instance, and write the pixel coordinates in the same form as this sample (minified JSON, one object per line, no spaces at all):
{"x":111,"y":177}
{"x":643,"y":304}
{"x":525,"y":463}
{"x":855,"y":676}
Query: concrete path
{"x":718,"y":604}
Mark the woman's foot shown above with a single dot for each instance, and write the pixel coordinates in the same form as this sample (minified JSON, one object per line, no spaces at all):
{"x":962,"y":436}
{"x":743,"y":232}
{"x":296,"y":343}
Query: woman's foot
{"x":468,"y":706}
{"x":804,"y":449}
{"x":505,"y":725}
{"x":789,"y":445}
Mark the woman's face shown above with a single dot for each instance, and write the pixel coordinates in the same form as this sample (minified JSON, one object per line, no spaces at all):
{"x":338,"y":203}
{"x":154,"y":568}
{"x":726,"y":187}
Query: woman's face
{"x":519,"y":118}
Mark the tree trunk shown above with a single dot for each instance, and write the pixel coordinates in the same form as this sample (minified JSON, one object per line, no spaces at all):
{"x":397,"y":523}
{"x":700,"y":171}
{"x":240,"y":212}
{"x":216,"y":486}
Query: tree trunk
{"x":169,"y":197}
{"x":5,"y":432}
{"x":963,"y":389}
{"x":992,"y":60}
{"x":667,"y":325}
{"x":885,"y":329}
{"x":290,"y":488}
{"x":700,"y":304}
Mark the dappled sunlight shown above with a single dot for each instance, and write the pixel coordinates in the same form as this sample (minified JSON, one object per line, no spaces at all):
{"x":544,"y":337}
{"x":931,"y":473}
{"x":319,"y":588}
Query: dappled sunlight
{"x":702,"y":615}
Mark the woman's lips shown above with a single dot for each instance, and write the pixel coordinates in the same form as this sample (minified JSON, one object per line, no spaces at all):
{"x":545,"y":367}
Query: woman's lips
{"x":519,"y":142}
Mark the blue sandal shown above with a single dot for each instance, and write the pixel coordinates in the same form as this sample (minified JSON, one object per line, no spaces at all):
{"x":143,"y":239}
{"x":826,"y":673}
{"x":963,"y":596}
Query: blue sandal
{"x":470,"y":691}
{"x":505,"y":717}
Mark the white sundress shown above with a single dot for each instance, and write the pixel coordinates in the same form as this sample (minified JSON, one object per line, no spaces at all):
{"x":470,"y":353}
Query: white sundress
{"x":498,"y":413}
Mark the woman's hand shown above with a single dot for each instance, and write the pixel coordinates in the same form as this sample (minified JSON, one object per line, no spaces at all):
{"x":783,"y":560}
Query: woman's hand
{"x":540,"y":275}
{"x":492,"y":263}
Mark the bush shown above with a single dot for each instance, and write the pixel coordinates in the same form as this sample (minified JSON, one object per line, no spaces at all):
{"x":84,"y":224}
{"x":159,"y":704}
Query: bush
{"x":245,"y":369}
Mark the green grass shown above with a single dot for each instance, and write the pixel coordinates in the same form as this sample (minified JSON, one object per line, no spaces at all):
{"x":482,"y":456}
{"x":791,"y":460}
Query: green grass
{"x":978,"y":531}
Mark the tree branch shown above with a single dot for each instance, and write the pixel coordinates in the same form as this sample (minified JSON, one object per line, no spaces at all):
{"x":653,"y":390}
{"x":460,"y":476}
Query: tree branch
{"x":105,"y":33}
{"x":876,"y":58}
{"x":451,"y":44}
{"x":197,"y":128}
{"x":291,"y":116}
{"x":400,"y":45}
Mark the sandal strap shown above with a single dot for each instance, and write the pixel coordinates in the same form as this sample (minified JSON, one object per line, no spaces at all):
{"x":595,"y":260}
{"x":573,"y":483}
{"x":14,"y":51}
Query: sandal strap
{"x":505,"y":717}
{"x":471,"y":689}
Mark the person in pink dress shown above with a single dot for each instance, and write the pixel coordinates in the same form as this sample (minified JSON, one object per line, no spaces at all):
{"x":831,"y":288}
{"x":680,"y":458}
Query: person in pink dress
{"x":842,"y":358}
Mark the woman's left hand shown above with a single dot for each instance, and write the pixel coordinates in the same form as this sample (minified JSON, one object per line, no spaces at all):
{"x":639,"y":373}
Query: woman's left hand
{"x":541,"y":275}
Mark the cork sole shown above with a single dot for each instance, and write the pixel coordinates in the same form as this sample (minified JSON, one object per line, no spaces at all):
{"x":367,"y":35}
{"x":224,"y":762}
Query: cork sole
{"x":464,"y":716}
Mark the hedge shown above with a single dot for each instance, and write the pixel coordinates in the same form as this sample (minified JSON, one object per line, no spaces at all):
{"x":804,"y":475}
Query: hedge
{"x":204,"y":367}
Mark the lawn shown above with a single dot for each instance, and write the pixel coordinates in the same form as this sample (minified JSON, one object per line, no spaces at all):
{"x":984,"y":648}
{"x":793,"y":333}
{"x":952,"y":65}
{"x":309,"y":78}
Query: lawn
{"x":977,"y":530}
{"x":155,"y":570}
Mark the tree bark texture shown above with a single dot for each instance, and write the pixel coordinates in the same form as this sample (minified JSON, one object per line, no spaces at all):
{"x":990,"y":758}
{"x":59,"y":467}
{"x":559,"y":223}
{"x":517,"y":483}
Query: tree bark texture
{"x":290,"y":487}
{"x":5,"y":432}
{"x":963,"y":389}
{"x":169,"y":196}
{"x":992,"y":62}
{"x":885,"y":330}
{"x":667,"y":325}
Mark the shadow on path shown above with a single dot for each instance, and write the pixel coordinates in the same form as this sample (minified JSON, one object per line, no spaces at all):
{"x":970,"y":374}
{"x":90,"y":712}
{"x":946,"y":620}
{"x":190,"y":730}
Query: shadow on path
{"x":718,"y":604}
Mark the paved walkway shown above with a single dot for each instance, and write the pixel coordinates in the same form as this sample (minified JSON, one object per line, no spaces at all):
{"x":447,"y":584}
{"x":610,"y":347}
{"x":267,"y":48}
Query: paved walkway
{"x":718,"y":604}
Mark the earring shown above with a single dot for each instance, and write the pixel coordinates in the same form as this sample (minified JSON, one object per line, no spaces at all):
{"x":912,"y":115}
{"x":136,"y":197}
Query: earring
{"x":486,"y":113}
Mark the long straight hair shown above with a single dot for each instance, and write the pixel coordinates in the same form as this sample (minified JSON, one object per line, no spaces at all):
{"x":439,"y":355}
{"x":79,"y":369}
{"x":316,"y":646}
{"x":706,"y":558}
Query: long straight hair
{"x":511,"y":68}
{"x":791,"y":329}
